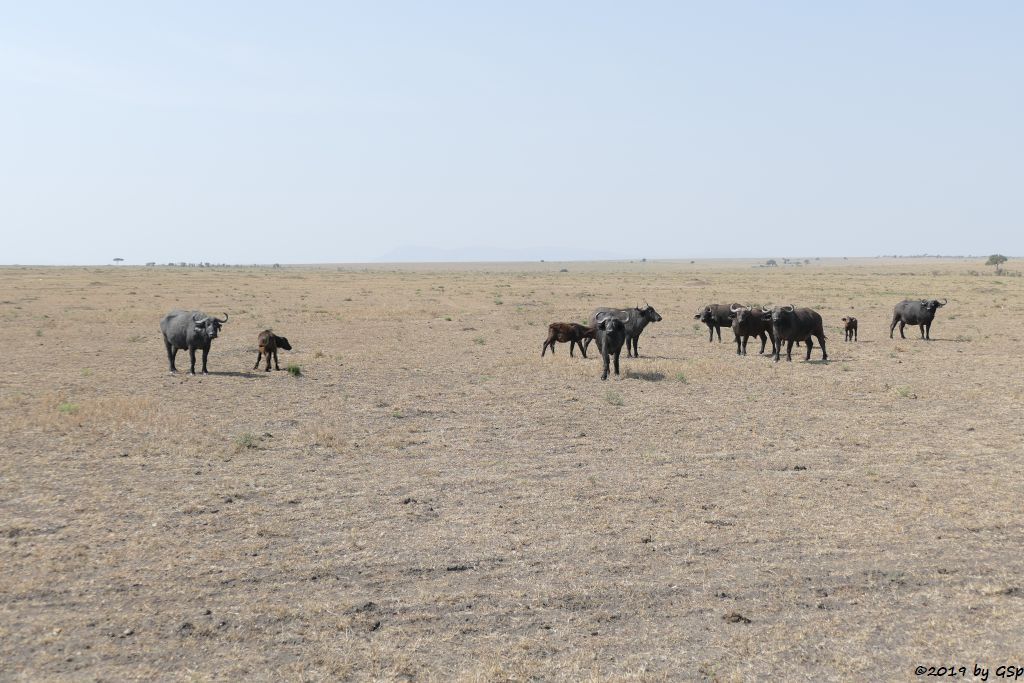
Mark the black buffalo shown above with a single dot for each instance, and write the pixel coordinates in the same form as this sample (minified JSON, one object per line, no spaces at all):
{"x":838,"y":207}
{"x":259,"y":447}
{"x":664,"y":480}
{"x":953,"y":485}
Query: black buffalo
{"x":610,"y":336}
{"x":634,"y":319}
{"x":920,"y":313}
{"x":715,"y":316}
{"x":747,"y":322}
{"x":189,"y":330}
{"x":796,"y":324}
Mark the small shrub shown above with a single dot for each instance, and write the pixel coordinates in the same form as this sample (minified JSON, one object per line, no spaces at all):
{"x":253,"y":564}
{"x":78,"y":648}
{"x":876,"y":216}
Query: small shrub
{"x":294,"y":370}
{"x":479,"y":340}
{"x":318,"y":354}
{"x":614,"y":398}
{"x":68,"y":408}
{"x":681,"y":378}
{"x":247,"y":441}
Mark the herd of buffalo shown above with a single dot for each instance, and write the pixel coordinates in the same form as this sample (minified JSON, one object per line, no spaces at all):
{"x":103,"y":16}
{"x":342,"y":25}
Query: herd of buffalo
{"x":611,"y":328}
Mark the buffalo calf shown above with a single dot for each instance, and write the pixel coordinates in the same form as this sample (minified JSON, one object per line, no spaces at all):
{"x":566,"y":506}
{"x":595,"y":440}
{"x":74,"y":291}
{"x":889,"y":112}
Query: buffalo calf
{"x":269,"y":343}
{"x":850,"y":329}
{"x":571,"y":333}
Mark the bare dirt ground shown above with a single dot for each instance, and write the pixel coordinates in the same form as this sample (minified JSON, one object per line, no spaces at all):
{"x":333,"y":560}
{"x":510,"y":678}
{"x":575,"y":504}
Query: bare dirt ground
{"x":431,"y":500}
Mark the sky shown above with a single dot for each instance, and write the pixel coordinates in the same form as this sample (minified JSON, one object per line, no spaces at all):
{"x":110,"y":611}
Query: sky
{"x":260,"y":132}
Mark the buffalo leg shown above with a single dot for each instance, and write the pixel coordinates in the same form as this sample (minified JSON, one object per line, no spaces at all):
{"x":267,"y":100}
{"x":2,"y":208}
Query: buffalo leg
{"x":206,"y":352}
{"x":789,"y":350}
{"x":259,"y":355}
{"x":276,"y":366}
{"x":192,"y":361}
{"x":821,"y":343}
{"x":617,"y":361}
{"x":636,"y":344}
{"x":718,"y":329}
{"x":738,"y":347}
{"x":711,"y":332}
{"x":902,"y":325}
{"x":572,"y":347}
{"x":544,"y":349}
{"x":764,"y":341}
{"x":810,"y":345}
{"x":893,"y":326}
{"x":606,"y":358}
{"x":855,"y":334}
{"x":171,"y":353}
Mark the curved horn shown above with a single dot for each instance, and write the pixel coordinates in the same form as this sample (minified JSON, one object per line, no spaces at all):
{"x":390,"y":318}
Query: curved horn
{"x":945,"y":301}
{"x":789,"y":308}
{"x":224,"y":320}
{"x":199,"y":321}
{"x":765,"y":309}
{"x":734,"y":308}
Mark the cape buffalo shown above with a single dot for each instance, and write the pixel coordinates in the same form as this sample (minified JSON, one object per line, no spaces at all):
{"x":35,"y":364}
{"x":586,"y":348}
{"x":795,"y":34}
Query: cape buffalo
{"x":920,"y":313}
{"x":610,"y":336}
{"x":715,"y":316}
{"x":635,"y":320}
{"x":749,"y":322}
{"x":189,"y":330}
{"x":573,"y":333}
{"x":850,"y":329}
{"x":268,"y":344}
{"x":796,"y":324}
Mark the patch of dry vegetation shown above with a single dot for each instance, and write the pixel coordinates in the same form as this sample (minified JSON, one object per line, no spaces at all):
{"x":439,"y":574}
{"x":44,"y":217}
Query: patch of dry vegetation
{"x":466,"y":509}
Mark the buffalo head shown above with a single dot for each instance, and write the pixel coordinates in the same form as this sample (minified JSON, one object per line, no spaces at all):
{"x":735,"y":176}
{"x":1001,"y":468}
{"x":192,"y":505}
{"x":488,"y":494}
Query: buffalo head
{"x":282,"y":343}
{"x":208,"y":325}
{"x":648,"y":312}
{"x":933,"y":304}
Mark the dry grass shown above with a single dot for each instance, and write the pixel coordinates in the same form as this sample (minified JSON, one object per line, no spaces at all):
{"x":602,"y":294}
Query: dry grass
{"x":430,"y":499}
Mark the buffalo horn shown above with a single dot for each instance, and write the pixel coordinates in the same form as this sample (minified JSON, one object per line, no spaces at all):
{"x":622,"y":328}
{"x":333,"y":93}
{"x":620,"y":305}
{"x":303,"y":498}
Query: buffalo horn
{"x":945,"y":301}
{"x":224,"y":320}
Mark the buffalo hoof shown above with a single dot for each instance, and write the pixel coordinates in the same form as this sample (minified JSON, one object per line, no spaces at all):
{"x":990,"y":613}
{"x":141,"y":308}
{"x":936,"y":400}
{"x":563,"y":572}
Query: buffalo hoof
{"x":268,"y":370}
{"x":192,"y":372}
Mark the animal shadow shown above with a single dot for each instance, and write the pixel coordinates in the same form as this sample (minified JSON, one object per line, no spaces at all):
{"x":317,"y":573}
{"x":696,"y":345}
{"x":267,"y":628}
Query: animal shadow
{"x":646,"y":376}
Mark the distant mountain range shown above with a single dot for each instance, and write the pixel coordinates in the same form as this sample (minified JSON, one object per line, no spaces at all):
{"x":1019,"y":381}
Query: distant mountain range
{"x":434,"y":254}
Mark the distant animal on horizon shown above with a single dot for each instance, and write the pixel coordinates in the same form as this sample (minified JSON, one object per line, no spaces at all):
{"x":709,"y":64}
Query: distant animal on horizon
{"x":850,"y":329}
{"x":921,"y":313}
{"x":268,"y":344}
{"x":715,"y":316}
{"x":190,"y":330}
{"x":747,"y":322}
{"x":633,"y":319}
{"x":791,"y":324}
{"x":571,"y":333}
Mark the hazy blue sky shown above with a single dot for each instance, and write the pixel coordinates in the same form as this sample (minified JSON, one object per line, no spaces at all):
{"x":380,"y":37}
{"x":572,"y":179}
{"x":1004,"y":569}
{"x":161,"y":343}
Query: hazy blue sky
{"x":298,"y":132}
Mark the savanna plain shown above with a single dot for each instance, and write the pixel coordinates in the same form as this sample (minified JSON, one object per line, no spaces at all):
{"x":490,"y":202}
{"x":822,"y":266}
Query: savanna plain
{"x":423,"y":497}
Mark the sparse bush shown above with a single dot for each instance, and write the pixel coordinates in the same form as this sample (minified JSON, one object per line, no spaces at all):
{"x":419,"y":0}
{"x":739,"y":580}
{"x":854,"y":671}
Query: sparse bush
{"x":247,"y":441}
{"x":68,"y":408}
{"x":681,"y":378}
{"x":294,"y":370}
{"x":479,"y":340}
{"x":614,"y":398}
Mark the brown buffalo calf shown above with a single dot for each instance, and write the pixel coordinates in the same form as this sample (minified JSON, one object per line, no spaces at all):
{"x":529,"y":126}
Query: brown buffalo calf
{"x":268,"y":344}
{"x":573,"y":333}
{"x":850,"y":329}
